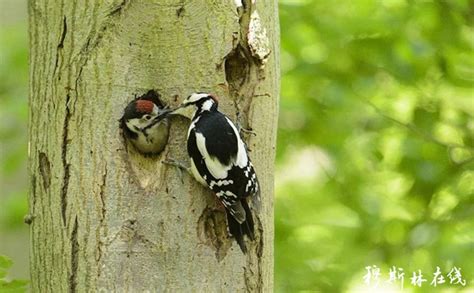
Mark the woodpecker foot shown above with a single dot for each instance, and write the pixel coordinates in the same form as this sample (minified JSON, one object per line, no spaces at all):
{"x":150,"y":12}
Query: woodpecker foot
{"x":180,"y":166}
{"x":249,"y":131}
{"x":242,"y":129}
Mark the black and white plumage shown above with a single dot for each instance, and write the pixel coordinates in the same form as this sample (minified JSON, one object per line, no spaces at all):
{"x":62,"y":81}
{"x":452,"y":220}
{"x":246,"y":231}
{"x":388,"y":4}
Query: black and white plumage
{"x":219,"y":160}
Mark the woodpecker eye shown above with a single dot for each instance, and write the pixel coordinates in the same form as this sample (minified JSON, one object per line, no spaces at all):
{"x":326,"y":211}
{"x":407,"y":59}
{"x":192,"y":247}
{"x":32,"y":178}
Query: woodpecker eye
{"x":147,"y":117}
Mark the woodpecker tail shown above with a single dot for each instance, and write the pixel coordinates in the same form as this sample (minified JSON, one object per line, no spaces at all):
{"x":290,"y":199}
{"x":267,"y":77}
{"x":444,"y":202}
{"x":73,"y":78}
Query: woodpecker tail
{"x":238,"y":230}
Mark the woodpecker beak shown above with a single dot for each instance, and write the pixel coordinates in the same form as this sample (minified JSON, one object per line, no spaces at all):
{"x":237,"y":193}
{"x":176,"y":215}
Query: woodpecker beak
{"x":180,"y":110}
{"x":179,"y":107}
{"x":165,"y":112}
{"x":162,"y":115}
{"x":184,"y":110}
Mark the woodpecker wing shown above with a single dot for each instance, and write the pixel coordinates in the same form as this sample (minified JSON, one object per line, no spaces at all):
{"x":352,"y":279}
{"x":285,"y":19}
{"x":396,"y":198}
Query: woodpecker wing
{"x":217,"y":143}
{"x":220,"y":158}
{"x":214,"y":138}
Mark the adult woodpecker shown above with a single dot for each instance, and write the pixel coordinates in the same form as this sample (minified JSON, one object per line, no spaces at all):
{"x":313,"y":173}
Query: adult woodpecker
{"x":219,"y":160}
{"x":144,"y":124}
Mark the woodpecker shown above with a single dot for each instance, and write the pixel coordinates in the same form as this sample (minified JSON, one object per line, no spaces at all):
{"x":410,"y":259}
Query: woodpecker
{"x":145,"y":125}
{"x":219,"y":161}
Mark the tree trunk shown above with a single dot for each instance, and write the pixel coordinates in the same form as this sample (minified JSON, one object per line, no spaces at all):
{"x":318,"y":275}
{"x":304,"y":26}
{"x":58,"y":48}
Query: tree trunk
{"x":103,"y":217}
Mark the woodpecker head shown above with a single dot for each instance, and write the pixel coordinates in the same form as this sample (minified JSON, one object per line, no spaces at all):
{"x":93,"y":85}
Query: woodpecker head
{"x":145,"y":125}
{"x":139,"y":114}
{"x":199,"y":99}
{"x":203,"y":101}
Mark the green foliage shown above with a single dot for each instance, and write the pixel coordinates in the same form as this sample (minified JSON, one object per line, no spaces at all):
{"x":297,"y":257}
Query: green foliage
{"x":375,"y":144}
{"x":13,"y":125}
{"x":14,"y":286}
{"x":13,"y":144}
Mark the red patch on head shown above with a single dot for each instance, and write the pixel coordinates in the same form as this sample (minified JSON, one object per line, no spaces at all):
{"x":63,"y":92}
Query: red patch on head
{"x":214,"y":97}
{"x":144,"y":106}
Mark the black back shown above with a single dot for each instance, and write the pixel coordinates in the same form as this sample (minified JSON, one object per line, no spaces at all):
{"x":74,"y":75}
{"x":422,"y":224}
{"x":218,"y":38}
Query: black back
{"x":222,"y":141}
{"x":221,"y":145}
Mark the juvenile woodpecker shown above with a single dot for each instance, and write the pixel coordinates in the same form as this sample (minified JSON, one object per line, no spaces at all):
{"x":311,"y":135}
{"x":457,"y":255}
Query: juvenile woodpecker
{"x":219,"y":160}
{"x":144,"y":124}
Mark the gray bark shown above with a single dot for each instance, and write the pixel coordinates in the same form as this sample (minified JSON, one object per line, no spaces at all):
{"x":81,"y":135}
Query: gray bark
{"x":103,"y":217}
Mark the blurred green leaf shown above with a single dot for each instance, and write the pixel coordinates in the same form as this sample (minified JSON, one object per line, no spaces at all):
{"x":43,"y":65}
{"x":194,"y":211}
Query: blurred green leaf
{"x":5,"y":264}
{"x":15,"y":286}
{"x":10,"y":286}
{"x":385,"y":90}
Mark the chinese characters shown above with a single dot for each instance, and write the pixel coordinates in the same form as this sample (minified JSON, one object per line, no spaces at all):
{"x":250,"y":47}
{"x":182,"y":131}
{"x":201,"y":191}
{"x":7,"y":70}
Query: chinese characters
{"x":396,"y":275}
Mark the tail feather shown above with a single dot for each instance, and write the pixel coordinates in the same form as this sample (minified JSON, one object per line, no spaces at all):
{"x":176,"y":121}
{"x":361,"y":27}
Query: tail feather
{"x":248,"y":220}
{"x":245,"y":228}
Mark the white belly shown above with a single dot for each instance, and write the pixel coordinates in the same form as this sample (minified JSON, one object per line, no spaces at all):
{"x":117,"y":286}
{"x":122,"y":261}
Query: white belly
{"x":196,"y":174}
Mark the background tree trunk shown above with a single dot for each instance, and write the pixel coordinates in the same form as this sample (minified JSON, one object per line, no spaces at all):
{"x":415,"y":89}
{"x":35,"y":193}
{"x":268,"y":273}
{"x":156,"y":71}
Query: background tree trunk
{"x":103,"y":216}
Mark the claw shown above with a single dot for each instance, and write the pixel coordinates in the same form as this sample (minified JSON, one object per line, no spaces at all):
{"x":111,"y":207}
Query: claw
{"x":249,"y":131}
{"x":242,"y":129}
{"x":179,"y":165}
{"x":176,"y":163}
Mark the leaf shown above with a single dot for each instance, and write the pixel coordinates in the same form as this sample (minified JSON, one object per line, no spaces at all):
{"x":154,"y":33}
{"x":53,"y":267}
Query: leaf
{"x":15,"y":286}
{"x":5,"y":264}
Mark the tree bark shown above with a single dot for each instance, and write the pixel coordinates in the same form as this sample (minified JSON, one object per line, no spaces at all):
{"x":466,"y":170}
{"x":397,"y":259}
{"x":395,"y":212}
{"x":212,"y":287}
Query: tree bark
{"x":105,"y":218}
